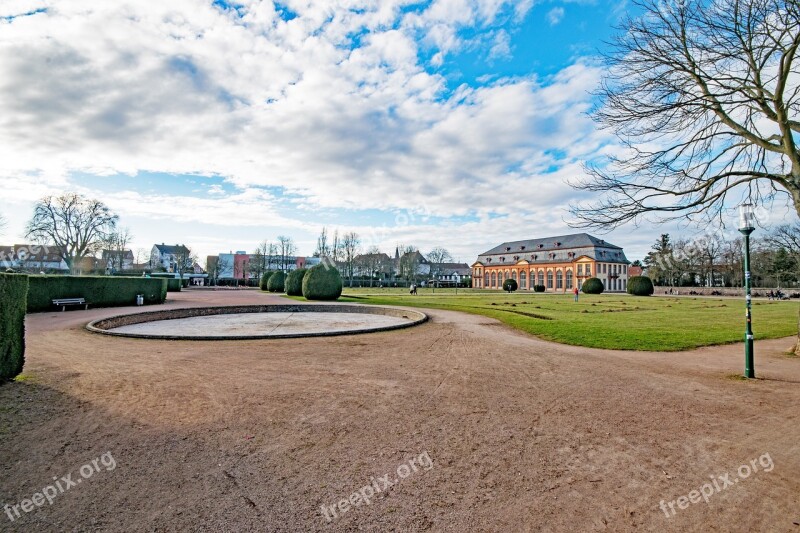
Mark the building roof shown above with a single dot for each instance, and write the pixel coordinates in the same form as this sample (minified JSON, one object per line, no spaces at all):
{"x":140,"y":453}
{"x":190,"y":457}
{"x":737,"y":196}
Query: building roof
{"x":453,"y":268}
{"x":558,"y":249}
{"x":170,"y":249}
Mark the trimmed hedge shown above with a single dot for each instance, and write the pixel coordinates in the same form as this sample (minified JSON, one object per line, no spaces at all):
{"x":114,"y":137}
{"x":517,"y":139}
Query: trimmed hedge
{"x":640,"y":286}
{"x":98,"y":291}
{"x":13,"y":303}
{"x":538,"y":288}
{"x":510,"y":285}
{"x":593,"y":286}
{"x":322,"y":282}
{"x":276,"y":282}
{"x":265,"y":279}
{"x":173,"y":284}
{"x":294,"y":282}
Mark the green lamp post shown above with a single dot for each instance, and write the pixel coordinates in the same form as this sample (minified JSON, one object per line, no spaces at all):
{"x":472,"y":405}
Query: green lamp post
{"x":746,"y":227}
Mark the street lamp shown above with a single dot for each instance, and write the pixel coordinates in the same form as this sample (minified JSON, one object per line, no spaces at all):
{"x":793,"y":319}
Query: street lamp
{"x":746,"y":227}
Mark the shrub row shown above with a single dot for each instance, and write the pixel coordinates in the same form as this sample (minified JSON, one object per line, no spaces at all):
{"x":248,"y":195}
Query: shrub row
{"x":538,"y":288}
{"x":98,"y":291}
{"x":294,"y":282}
{"x":276,"y":282}
{"x":322,"y":282}
{"x":265,"y":280}
{"x":173,"y":284}
{"x":13,"y":303}
{"x":640,"y":286}
{"x":593,"y":286}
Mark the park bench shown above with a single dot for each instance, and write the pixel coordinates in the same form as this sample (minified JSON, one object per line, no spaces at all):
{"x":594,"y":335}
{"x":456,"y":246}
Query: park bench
{"x":64,"y":302}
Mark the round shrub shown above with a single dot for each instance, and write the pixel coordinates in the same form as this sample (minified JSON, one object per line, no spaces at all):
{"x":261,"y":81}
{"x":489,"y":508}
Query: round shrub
{"x":322,"y":282}
{"x":265,"y":279}
{"x":593,"y":286}
{"x":640,"y":286}
{"x":538,"y":288}
{"x":294,"y":282}
{"x":510,"y":285}
{"x":276,"y":282}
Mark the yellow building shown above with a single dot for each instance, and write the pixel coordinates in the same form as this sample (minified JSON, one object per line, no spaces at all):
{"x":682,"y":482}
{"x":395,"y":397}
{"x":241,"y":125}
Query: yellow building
{"x":557,"y":263}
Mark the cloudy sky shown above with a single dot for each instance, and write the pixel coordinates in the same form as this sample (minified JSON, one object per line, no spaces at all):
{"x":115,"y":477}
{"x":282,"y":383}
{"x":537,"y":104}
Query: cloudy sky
{"x":219,"y":124}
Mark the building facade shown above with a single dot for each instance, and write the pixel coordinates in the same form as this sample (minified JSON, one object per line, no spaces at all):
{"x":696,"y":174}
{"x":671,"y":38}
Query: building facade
{"x":558,"y":263}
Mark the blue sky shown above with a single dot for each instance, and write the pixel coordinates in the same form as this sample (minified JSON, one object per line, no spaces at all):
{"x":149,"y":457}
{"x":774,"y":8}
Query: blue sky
{"x":454,"y":123}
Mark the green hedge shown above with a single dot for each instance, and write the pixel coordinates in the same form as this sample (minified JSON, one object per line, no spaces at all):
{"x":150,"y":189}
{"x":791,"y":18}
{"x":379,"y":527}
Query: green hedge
{"x":276,"y":282}
{"x":510,"y":285}
{"x":13,"y":303}
{"x":98,"y":291}
{"x":173,"y":284}
{"x":294,"y":282}
{"x":322,"y":282}
{"x":265,"y":279}
{"x":538,"y":288}
{"x":593,"y":286}
{"x":640,"y":286}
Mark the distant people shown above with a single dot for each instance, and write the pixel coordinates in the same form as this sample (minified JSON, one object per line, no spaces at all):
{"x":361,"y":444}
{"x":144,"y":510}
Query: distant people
{"x":575,"y":292}
{"x":771,"y":295}
{"x":413,"y":288}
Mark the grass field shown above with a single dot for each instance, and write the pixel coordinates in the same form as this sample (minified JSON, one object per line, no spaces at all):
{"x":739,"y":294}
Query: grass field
{"x":616,"y":321}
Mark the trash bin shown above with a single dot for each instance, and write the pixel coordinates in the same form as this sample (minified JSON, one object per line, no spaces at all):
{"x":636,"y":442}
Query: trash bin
{"x":139,"y":299}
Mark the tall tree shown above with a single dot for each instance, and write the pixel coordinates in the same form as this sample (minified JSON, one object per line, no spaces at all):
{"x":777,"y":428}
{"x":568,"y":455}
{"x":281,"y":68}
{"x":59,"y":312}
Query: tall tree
{"x":350,"y":246}
{"x":323,"y":248}
{"x":75,"y":224}
{"x":286,"y":251}
{"x":704,"y":97}
{"x":437,"y":256}
{"x":115,"y":244}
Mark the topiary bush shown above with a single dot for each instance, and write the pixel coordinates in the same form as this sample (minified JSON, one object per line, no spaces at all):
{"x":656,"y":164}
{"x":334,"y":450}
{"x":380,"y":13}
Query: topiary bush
{"x":322,"y":282}
{"x":538,"y":288}
{"x":510,"y":285}
{"x":276,"y":282}
{"x":294,"y":282}
{"x":13,"y":303}
{"x":98,"y":291}
{"x":640,"y":286}
{"x":593,"y":286}
{"x":265,"y":279}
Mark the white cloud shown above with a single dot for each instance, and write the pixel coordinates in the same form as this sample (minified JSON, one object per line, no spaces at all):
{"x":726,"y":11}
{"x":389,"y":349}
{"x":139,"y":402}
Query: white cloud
{"x":333,"y":105}
{"x":555,"y":15}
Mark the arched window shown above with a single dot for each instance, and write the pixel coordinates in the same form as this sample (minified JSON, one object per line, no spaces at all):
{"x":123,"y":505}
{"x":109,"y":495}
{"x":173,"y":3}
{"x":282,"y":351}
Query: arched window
{"x":514,"y":275}
{"x":486,"y":279}
{"x":580,"y":269}
{"x":569,"y":279}
{"x":541,"y":278}
{"x":588,"y":270}
{"x":559,"y":280}
{"x":494,"y":279}
{"x":523,"y":284}
{"x":549,"y":279}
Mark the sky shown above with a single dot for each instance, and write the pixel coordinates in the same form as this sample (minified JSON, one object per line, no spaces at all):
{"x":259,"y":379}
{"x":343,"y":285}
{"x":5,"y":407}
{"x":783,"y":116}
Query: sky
{"x":221,"y":124}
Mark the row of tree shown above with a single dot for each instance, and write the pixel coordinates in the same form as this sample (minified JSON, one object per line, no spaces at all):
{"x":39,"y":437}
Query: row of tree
{"x":714,"y":261}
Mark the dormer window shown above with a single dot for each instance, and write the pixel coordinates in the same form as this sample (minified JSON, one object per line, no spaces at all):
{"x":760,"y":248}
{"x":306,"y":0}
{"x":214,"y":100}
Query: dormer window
{"x":503,"y":259}
{"x":516,"y":258}
{"x":533,"y":257}
{"x":557,"y":243}
{"x":541,"y":246}
{"x":522,"y":248}
{"x":508,"y":248}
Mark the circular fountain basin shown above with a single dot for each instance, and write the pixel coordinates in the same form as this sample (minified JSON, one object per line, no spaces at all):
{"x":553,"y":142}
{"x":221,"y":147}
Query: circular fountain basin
{"x":257,"y":322}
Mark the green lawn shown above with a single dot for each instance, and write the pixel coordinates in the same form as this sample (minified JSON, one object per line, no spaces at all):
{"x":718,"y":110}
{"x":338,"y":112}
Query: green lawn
{"x":617,"y":321}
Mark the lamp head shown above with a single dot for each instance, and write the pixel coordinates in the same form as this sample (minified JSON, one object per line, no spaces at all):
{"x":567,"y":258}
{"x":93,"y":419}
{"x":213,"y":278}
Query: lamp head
{"x":747,"y":217}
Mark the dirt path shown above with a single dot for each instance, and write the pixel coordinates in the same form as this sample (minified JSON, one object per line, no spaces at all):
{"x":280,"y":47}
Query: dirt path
{"x":524,"y":435}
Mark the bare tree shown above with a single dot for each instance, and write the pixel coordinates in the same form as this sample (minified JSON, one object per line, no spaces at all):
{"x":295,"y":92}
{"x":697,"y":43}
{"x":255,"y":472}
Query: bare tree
{"x":437,"y":256}
{"x":704,"y":97}
{"x":286,"y":249}
{"x":786,"y":236}
{"x":114,"y":247}
{"x":350,"y":246}
{"x":75,"y":224}
{"x":323,"y":248}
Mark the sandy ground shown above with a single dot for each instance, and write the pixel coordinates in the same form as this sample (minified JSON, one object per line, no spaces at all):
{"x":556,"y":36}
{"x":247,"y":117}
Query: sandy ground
{"x":522,"y":434}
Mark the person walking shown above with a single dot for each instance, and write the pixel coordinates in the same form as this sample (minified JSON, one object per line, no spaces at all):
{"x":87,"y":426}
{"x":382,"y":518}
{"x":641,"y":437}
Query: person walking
{"x":575,"y":292}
